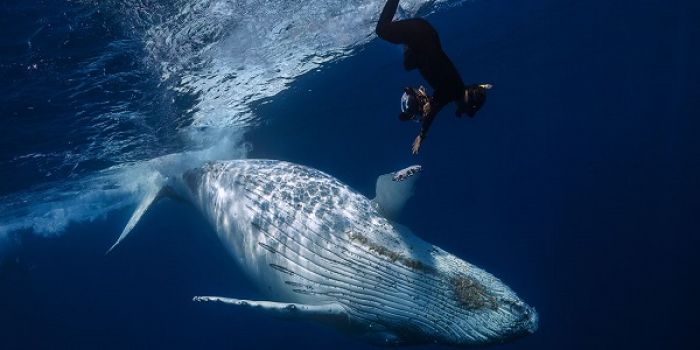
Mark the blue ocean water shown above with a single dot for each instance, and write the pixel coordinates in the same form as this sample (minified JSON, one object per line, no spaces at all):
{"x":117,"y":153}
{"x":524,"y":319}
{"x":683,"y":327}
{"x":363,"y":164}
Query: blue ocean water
{"x":577,"y":184}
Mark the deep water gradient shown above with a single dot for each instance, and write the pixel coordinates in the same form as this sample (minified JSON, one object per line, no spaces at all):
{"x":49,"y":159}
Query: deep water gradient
{"x":577,"y":184}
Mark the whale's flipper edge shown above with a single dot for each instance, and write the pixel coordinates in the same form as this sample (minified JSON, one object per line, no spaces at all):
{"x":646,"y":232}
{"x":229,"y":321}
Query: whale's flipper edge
{"x":331,"y":310}
{"x":394,"y":189}
{"x":151,"y":197}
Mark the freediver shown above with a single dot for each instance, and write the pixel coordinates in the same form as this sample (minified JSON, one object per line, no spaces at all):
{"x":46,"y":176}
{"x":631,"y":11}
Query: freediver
{"x":423,"y":51}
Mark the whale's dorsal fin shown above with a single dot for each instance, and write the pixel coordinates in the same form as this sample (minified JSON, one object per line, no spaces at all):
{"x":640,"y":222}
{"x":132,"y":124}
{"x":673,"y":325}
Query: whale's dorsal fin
{"x":394,"y":189}
{"x":328,"y":311}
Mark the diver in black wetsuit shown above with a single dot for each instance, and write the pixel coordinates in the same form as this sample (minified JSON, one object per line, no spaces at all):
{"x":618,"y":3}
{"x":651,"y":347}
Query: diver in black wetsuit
{"x":422,"y":50}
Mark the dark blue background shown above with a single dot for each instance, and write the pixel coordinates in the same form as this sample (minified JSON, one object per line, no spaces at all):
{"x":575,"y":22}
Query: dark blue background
{"x":577,"y":184}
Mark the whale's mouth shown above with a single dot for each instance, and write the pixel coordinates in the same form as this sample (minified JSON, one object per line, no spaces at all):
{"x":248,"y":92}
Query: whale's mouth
{"x":530,"y":321}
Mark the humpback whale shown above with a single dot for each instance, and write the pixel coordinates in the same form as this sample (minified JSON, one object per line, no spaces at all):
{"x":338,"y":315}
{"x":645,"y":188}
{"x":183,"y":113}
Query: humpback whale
{"x":320,"y":250}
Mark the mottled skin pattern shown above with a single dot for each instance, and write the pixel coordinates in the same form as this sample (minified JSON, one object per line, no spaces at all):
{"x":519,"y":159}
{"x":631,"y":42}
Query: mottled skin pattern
{"x":304,"y":237}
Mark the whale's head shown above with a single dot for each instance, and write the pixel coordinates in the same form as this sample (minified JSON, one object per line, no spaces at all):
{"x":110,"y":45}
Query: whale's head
{"x":455,"y":303}
{"x":483,"y":309}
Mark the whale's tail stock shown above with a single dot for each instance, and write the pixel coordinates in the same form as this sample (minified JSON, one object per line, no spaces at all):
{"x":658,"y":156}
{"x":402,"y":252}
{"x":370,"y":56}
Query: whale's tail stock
{"x":151,"y":198}
{"x":160,"y":188}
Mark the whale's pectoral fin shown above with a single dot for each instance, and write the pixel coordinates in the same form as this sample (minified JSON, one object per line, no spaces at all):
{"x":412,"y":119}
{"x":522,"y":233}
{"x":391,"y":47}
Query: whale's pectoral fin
{"x":333,"y":311}
{"x":394,"y":189}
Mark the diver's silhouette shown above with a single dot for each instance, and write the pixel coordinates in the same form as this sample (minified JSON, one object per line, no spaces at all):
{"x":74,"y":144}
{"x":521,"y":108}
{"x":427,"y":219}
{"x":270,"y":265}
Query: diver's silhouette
{"x":423,"y":51}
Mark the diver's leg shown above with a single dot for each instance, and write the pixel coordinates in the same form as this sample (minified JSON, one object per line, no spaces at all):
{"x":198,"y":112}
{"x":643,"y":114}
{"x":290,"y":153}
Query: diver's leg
{"x":386,"y":29}
{"x":388,"y":13}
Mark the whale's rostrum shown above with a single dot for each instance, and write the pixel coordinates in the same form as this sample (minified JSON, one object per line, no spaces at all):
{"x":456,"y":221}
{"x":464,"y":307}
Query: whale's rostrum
{"x":318,"y":249}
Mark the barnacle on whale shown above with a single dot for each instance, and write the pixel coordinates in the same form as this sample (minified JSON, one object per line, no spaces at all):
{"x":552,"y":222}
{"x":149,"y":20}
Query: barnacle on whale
{"x":386,"y":252}
{"x":471,"y":294}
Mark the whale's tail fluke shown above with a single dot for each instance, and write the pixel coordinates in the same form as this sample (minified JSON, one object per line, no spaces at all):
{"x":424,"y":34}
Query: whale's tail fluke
{"x":152,"y":197}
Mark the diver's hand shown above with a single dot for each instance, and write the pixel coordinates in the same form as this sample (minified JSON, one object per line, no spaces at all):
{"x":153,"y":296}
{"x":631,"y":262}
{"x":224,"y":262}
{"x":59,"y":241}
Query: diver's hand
{"x":416,"y":144}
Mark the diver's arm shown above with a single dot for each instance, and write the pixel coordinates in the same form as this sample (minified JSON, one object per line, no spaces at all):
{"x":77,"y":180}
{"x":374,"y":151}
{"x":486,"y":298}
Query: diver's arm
{"x":435,"y":108}
{"x":425,"y":126}
{"x":387,"y":15}
{"x":423,"y":132}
